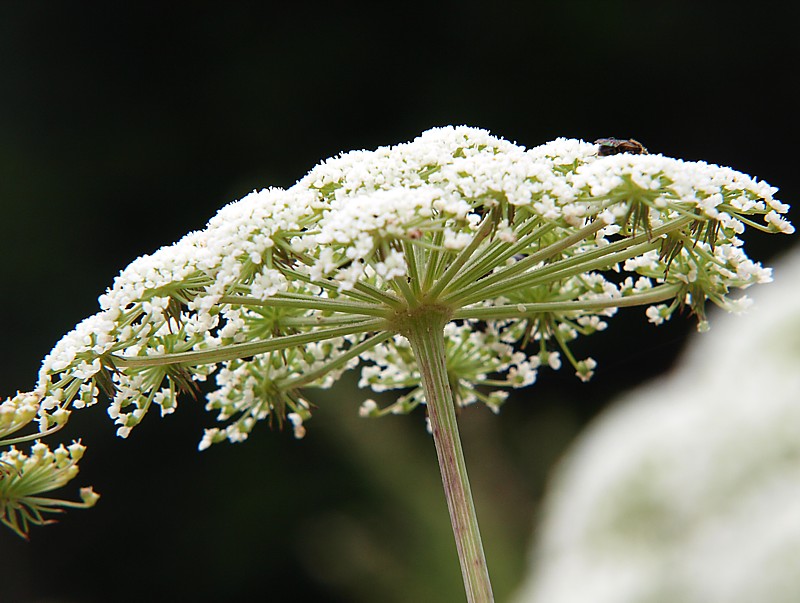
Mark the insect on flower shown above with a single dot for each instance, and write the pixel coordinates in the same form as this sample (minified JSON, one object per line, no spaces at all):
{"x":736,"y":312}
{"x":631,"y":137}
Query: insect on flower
{"x":614,"y":146}
{"x":429,"y":265}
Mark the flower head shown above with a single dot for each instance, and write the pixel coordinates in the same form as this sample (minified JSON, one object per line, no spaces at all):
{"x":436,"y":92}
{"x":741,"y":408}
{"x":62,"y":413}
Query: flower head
{"x":27,"y":477}
{"x":521,"y":250}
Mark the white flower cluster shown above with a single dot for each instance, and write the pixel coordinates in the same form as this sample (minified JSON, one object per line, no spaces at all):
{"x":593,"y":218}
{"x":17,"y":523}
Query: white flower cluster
{"x":26,"y":477}
{"x":17,"y":412}
{"x":473,"y":357}
{"x":686,"y":490}
{"x":249,"y":390}
{"x":286,"y":288}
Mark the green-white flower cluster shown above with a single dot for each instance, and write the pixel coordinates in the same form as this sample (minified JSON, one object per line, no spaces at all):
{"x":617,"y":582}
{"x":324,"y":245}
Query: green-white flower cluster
{"x":24,"y":477}
{"x":687,"y":489}
{"x":522,"y":250}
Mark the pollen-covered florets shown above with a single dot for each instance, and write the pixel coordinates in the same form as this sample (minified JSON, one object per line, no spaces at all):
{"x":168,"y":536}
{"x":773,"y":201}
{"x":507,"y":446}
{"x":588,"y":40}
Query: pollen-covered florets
{"x":526,"y":249}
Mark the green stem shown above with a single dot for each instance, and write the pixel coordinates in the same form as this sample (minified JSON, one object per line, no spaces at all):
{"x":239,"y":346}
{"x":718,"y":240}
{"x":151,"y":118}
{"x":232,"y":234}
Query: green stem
{"x":485,"y":263}
{"x":500,"y":283}
{"x":506,"y":311}
{"x":339,"y":361}
{"x":543,"y":254}
{"x":464,"y":255}
{"x":251,"y":348}
{"x":434,"y":261}
{"x":307,"y":302}
{"x":46,"y":503}
{"x":410,"y":252}
{"x":425,"y":333}
{"x":31,"y":436}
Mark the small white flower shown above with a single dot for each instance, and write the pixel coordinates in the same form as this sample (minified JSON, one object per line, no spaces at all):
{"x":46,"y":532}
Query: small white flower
{"x":297,"y":423}
{"x":658,"y":314}
{"x":368,"y":408}
{"x":779,"y":222}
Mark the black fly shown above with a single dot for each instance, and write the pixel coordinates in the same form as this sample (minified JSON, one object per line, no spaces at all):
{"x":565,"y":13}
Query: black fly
{"x":614,"y":146}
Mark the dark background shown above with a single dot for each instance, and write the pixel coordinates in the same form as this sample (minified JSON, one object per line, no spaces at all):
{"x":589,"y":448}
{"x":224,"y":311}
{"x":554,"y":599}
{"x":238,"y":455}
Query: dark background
{"x":125,"y":125}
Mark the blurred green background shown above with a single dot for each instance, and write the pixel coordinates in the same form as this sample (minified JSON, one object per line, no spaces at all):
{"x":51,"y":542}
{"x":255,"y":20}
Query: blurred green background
{"x":125,"y":125}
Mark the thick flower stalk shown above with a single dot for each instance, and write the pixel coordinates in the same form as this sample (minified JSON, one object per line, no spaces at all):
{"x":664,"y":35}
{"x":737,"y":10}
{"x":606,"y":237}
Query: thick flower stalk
{"x":483,"y":257}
